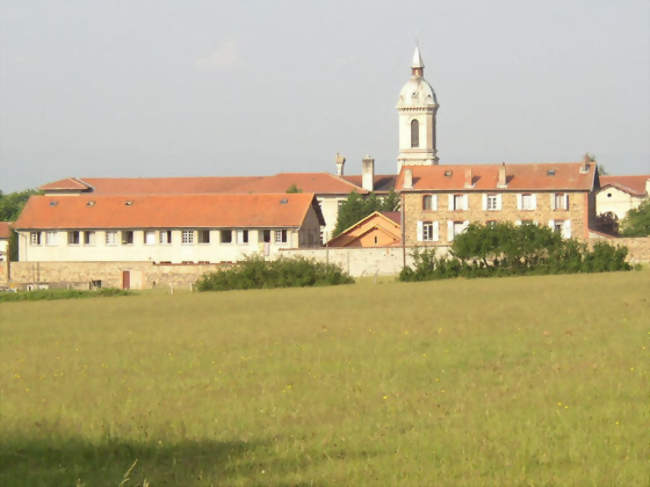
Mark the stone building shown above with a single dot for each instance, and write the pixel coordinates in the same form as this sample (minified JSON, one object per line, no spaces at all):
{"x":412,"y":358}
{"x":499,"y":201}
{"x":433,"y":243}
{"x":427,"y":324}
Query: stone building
{"x":439,"y":202}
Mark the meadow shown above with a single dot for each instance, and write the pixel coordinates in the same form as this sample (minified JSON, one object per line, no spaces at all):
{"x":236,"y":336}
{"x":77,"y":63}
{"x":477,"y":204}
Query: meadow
{"x":533,"y":381}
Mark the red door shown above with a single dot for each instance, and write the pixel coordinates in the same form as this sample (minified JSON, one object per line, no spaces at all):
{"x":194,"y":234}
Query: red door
{"x":126,"y":280}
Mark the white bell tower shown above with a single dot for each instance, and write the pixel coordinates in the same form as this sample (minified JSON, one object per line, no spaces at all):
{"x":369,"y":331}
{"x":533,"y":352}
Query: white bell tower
{"x":417,"y":107}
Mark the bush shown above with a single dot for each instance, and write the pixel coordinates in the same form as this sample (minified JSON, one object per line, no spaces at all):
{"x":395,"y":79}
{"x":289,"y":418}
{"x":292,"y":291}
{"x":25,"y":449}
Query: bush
{"x":49,"y":294}
{"x":637,"y":221}
{"x":504,"y":250}
{"x":256,"y":273}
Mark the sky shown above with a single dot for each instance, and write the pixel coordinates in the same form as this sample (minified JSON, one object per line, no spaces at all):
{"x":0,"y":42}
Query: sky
{"x":136,"y":88}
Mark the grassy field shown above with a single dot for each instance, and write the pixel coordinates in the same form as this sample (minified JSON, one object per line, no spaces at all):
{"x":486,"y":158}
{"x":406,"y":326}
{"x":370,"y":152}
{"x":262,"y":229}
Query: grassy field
{"x":517,"y":381}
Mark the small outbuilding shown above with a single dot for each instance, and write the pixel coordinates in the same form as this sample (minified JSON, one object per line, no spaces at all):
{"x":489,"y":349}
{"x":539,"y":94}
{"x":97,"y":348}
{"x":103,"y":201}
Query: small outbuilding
{"x":379,"y":229}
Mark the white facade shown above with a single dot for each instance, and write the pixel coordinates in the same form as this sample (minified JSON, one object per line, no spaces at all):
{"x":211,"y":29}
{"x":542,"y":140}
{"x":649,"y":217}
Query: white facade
{"x":417,"y":107}
{"x":164,"y":245}
{"x":4,"y":244}
{"x":618,"y":202}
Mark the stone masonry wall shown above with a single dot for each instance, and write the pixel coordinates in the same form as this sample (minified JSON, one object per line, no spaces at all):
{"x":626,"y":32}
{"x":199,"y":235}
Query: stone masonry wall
{"x":578,"y":213}
{"x":358,"y":261}
{"x":638,"y":247}
{"x":143,"y":275}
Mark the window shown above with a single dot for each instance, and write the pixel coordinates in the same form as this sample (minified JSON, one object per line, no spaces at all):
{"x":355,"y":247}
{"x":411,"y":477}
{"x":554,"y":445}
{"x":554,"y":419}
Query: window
{"x":127,"y":237}
{"x":557,"y":226}
{"x":204,"y":236}
{"x":266,"y":236}
{"x":427,"y":231}
{"x":459,"y":202}
{"x":51,"y":238}
{"x":526,"y":201}
{"x":149,"y":237}
{"x":73,"y":237}
{"x":280,"y":236}
{"x":35,"y":238}
{"x":560,"y":201}
{"x":430,"y":202}
{"x":492,"y":202}
{"x":415,"y":133}
{"x":243,"y":236}
{"x":226,"y":236}
{"x":187,"y":237}
{"x":455,"y":228}
{"x":111,"y":237}
{"x":89,"y":238}
{"x":165,"y":237}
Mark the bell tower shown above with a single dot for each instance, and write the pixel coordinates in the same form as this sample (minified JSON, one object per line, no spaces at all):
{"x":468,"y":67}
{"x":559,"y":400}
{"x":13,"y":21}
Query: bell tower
{"x":417,"y":107}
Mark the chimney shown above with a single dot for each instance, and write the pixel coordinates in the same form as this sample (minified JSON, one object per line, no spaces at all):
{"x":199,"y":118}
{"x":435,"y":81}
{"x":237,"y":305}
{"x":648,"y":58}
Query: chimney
{"x":468,"y":177}
{"x":368,"y":173}
{"x":584,"y":167}
{"x":502,"y":182}
{"x":340,"y":162}
{"x":408,"y":179}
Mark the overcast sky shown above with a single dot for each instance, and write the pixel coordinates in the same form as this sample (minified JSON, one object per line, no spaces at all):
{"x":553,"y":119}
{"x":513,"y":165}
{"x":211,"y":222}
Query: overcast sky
{"x":211,"y":88}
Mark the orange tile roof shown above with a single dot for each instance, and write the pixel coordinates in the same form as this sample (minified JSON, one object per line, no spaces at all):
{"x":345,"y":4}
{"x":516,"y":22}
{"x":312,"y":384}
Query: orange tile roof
{"x":67,"y":184}
{"x":167,"y":185}
{"x":167,"y":211}
{"x":5,"y":229}
{"x":634,"y":185}
{"x":316,"y":182}
{"x":319,"y":183}
{"x":365,"y":225}
{"x":396,"y":216}
{"x":519,"y":177}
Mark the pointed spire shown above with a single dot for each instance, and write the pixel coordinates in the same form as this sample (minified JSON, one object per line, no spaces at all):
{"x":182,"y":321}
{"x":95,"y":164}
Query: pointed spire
{"x":417,"y":59}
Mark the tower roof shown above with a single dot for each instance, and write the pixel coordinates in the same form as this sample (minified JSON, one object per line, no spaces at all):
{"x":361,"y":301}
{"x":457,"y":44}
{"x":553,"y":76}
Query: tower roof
{"x":417,"y":59}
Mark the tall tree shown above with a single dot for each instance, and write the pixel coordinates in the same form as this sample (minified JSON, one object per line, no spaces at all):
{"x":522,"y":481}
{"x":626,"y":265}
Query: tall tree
{"x":12,"y":204}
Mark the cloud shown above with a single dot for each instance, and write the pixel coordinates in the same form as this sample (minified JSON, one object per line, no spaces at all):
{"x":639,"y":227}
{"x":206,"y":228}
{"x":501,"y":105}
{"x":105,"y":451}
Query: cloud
{"x":223,"y":58}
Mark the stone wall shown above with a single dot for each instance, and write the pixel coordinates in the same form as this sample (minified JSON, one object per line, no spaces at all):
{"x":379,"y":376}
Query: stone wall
{"x":638,"y":247}
{"x":143,"y":275}
{"x":361,"y":261}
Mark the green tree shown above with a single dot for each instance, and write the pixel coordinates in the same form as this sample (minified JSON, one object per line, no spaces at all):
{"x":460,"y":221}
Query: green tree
{"x":637,"y":221}
{"x":356,"y":207}
{"x":12,"y":204}
{"x":294,"y":189}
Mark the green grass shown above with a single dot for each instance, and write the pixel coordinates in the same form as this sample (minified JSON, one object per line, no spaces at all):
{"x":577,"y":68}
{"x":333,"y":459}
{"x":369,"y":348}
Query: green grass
{"x":516,"y":381}
{"x":50,"y":294}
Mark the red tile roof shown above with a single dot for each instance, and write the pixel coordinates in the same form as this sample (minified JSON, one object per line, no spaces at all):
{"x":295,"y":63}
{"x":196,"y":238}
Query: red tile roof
{"x":634,"y":185}
{"x":5,"y":229}
{"x":167,"y":185}
{"x":396,"y":216}
{"x":519,"y":177}
{"x":167,"y":211}
{"x":67,"y":184}
{"x":381,"y":182}
{"x":316,"y":182}
{"x":319,"y":183}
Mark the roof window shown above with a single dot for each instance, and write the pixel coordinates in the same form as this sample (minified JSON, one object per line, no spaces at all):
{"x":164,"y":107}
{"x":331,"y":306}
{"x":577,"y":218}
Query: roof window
{"x":90,"y":203}
{"x":128,"y":203}
{"x":284,"y":201}
{"x":54,"y":203}
{"x":550,"y":172}
{"x":448,"y":173}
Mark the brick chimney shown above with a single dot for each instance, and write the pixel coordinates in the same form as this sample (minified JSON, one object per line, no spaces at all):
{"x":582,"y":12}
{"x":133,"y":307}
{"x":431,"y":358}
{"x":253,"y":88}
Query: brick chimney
{"x":340,"y":162}
{"x":408,"y":179}
{"x":502,"y":182}
{"x":468,"y":177}
{"x":368,"y":173}
{"x":584,"y":167}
